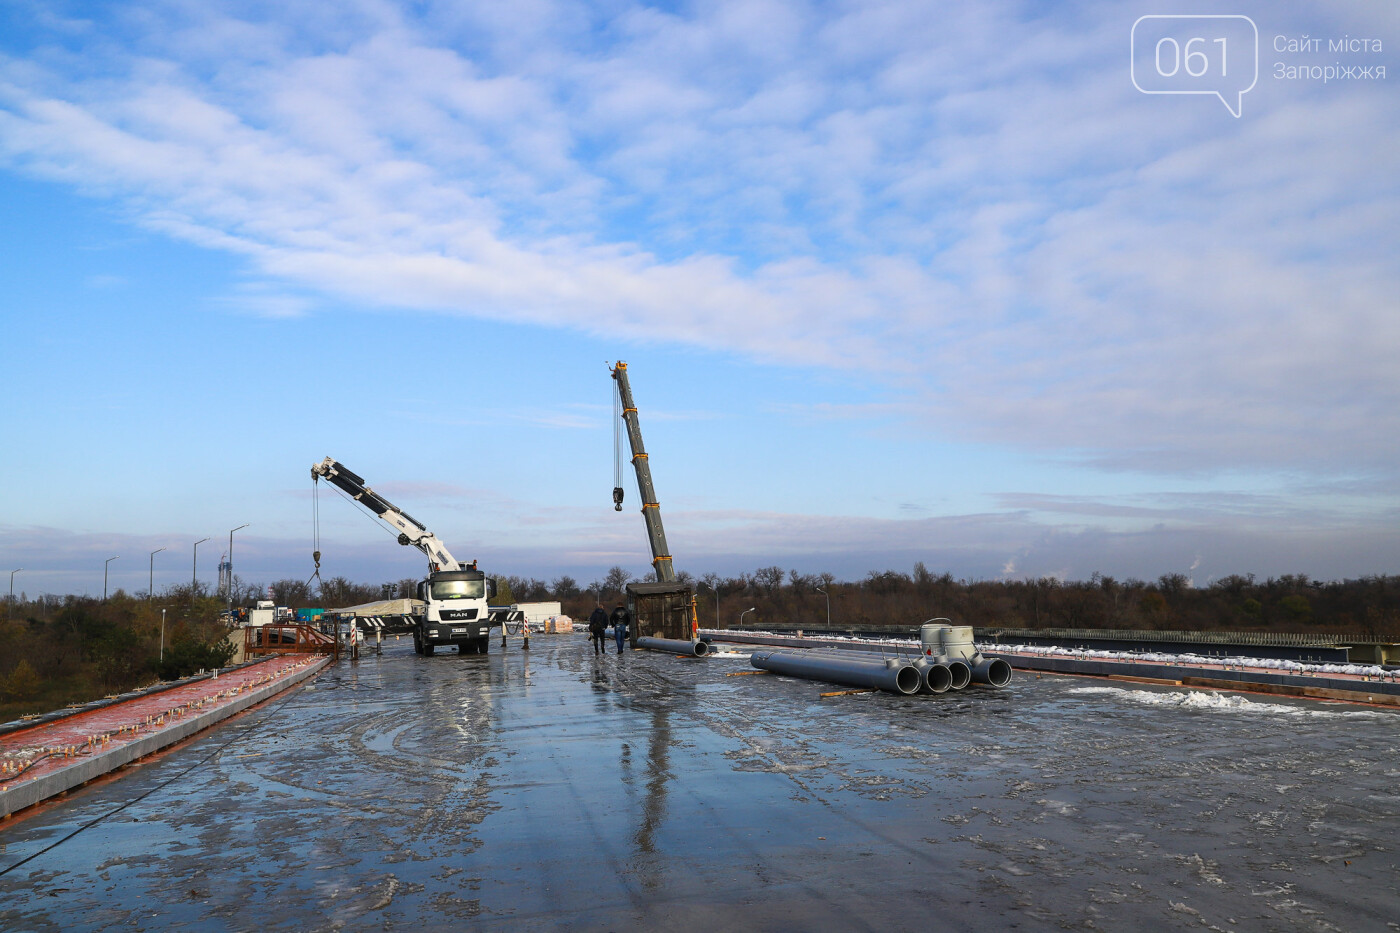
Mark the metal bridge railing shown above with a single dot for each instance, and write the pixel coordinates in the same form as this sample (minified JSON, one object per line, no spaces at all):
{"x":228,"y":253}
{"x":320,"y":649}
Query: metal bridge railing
{"x":1262,"y":639}
{"x":282,"y":638}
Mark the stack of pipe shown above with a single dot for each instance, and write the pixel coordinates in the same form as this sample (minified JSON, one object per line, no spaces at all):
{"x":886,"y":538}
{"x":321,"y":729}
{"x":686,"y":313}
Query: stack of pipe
{"x":947,"y":660}
{"x":936,"y":674}
{"x":933,"y":677}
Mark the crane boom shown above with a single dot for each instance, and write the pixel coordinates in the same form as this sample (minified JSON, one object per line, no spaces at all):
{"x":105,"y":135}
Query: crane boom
{"x":411,"y":531}
{"x":651,"y":509}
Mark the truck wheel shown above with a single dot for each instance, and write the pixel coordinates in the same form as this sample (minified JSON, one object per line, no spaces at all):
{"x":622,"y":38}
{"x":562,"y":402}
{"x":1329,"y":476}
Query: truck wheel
{"x":484,"y":645}
{"x":417,"y":645}
{"x":428,"y":650}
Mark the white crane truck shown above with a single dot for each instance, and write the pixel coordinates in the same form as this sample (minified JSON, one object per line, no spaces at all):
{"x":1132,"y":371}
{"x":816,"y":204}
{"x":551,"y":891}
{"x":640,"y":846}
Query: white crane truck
{"x":454,"y":596}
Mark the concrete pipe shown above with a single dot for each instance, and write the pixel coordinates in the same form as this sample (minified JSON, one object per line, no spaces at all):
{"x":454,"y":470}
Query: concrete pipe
{"x":957,"y":642}
{"x":857,"y":657}
{"x":674,"y":645}
{"x":866,"y":657}
{"x":854,"y":654}
{"x":960,"y":672}
{"x":931,"y":636}
{"x":993,"y":671}
{"x":950,"y":641}
{"x":937,"y":677}
{"x":892,"y":676}
{"x":950,"y":673}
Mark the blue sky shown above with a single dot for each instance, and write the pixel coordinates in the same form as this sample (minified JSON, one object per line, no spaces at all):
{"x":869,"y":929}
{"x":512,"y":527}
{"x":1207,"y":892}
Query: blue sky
{"x":895,"y":281}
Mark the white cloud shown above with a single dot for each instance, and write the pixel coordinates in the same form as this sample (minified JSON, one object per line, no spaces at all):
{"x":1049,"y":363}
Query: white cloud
{"x":974,"y":205}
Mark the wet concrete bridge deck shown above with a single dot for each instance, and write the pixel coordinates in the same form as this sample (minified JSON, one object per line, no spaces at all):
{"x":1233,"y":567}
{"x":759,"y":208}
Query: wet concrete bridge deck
{"x":558,"y":790}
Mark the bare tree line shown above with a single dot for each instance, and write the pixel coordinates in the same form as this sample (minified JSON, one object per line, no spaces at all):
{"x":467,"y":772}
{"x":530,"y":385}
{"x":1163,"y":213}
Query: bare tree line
{"x":63,"y":649}
{"x":1368,"y":606}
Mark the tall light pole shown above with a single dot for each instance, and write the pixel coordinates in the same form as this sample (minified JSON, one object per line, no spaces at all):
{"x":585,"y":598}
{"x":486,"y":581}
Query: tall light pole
{"x":828,"y":605}
{"x":162,"y":636}
{"x":230,"y":561}
{"x":744,"y":613}
{"x":151,"y":580}
{"x":716,"y":607}
{"x":9,"y":606}
{"x":194,"y":570}
{"x":104,"y":576}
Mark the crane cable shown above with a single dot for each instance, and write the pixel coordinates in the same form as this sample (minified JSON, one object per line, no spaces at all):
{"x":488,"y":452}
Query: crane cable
{"x":315,"y":529}
{"x":617,"y":444}
{"x":316,"y":518}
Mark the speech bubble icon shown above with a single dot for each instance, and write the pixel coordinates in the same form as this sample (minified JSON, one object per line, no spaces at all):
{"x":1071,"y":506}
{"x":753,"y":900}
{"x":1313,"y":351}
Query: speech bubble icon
{"x":1206,"y":54}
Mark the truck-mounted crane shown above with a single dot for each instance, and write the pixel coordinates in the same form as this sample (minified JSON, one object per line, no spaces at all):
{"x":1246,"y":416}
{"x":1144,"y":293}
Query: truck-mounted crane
{"x":454,"y":595}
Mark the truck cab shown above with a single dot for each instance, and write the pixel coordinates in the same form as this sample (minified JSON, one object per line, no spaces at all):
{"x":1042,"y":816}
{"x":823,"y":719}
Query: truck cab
{"x":264,"y":612}
{"x":455,"y":611}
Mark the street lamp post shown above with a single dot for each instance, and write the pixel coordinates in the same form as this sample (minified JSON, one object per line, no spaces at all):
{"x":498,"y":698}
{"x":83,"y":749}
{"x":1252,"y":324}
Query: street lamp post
{"x":9,"y":606}
{"x":744,"y":613}
{"x":151,"y":580}
{"x":230,"y":561}
{"x":162,"y":636}
{"x":104,"y":576}
{"x":716,"y":607}
{"x":194,"y":570}
{"x":828,"y":605}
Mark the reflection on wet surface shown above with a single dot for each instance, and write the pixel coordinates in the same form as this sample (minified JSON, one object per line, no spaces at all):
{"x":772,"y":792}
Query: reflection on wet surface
{"x":557,"y":789}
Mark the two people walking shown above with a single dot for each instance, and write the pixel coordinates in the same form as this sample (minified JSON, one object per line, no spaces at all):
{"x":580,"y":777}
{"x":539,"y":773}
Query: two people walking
{"x":598,"y":626}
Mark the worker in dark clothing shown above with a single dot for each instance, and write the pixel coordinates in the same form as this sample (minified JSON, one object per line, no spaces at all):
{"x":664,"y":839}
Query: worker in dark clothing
{"x":597,"y":628}
{"x":621,"y":619}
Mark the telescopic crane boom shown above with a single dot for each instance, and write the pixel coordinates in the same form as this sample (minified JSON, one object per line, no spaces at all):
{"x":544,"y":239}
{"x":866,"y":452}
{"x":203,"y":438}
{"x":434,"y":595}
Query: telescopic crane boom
{"x":651,"y":509}
{"x":664,"y":611}
{"x":411,"y":531}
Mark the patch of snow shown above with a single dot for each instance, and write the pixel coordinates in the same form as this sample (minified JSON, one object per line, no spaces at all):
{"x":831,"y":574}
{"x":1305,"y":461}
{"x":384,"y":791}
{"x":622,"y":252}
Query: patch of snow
{"x":1156,"y":657}
{"x":1207,"y":700}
